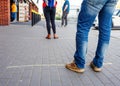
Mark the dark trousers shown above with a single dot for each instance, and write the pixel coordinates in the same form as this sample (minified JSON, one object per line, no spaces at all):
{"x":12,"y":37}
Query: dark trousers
{"x":49,"y":13}
{"x":64,"y":18}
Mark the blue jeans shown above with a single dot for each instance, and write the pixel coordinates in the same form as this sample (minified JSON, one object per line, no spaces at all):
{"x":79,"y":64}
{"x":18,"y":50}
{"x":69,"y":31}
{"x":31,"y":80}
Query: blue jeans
{"x":89,"y":10}
{"x":13,"y":16}
{"x":64,"y":18}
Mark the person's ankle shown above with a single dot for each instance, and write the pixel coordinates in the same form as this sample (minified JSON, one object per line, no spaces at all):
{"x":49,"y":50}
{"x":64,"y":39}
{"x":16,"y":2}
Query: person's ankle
{"x":55,"y":36}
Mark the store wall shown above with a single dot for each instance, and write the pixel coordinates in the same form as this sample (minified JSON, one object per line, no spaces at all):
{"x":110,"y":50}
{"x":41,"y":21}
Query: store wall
{"x":32,"y":7}
{"x":4,"y":12}
{"x":23,"y":12}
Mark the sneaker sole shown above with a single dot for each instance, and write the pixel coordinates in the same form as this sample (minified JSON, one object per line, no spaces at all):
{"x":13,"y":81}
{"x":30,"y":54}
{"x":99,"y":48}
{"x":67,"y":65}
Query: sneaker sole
{"x":93,"y":68}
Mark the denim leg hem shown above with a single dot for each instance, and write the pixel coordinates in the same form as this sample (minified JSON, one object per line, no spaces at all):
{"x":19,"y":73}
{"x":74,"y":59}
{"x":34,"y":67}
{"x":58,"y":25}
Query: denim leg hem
{"x":81,"y":67}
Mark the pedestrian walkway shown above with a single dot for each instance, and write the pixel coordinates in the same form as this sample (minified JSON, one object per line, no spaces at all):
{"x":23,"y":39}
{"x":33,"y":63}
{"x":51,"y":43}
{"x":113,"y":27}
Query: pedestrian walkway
{"x":28,"y":59}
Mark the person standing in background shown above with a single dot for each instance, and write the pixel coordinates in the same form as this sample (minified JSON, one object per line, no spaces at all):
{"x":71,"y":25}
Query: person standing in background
{"x":49,"y":9}
{"x":13,"y":11}
{"x":65,"y":11}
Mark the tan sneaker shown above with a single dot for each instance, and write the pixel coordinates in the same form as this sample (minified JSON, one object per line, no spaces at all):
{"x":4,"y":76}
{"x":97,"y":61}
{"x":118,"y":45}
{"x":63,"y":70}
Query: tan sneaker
{"x":72,"y":66}
{"x":96,"y":69}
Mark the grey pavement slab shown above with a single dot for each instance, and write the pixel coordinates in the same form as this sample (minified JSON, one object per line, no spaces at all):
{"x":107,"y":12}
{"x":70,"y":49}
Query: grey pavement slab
{"x":28,"y":59}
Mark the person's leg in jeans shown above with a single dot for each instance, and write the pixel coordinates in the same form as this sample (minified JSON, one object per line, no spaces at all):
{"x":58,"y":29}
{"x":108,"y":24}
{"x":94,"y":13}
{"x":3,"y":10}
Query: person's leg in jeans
{"x":47,"y":18}
{"x":104,"y":17}
{"x":85,"y":19}
{"x":66,"y":18}
{"x":63,"y":18}
{"x":12,"y":16}
{"x":52,"y":19}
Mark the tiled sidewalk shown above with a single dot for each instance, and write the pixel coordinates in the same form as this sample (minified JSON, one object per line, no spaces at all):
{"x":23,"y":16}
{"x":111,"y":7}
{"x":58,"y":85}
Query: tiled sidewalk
{"x":28,"y":59}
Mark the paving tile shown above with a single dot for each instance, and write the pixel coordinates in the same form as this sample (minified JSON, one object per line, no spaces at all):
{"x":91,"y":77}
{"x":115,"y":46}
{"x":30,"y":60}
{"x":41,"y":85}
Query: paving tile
{"x":45,"y":78}
{"x":3,"y":82}
{"x":55,"y":77}
{"x":24,"y":82}
{"x":35,"y":77}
